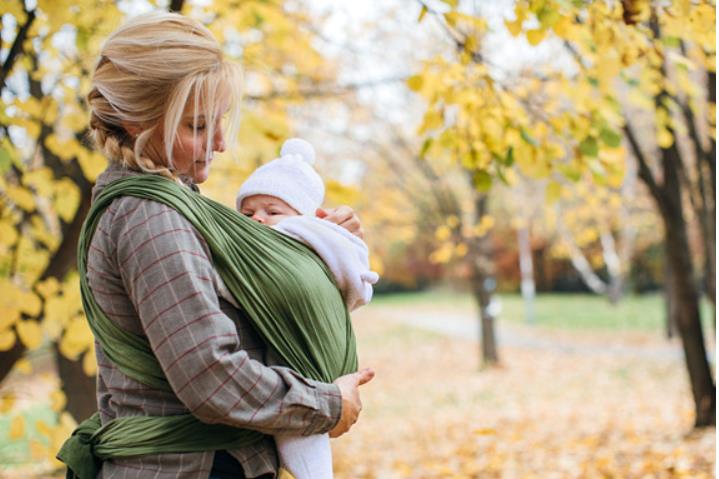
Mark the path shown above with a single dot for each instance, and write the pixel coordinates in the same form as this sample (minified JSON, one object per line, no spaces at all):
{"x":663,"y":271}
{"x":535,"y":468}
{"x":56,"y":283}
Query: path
{"x":464,"y":325}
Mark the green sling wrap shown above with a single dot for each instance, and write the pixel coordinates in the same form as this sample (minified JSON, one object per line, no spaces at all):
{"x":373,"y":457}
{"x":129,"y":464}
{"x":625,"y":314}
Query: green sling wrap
{"x":282,"y":287}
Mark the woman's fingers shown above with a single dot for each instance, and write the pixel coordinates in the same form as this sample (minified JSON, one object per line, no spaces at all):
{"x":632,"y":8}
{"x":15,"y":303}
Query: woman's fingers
{"x":343,"y":216}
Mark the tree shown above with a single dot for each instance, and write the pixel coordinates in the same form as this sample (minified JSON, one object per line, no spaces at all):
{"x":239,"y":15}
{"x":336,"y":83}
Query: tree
{"x":634,"y":60}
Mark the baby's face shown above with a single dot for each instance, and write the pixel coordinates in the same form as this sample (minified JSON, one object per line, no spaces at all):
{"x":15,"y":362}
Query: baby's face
{"x":266,"y":209}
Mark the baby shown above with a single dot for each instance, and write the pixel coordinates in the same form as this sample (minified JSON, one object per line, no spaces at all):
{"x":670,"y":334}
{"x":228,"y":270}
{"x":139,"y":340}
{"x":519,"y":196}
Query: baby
{"x":284,"y":194}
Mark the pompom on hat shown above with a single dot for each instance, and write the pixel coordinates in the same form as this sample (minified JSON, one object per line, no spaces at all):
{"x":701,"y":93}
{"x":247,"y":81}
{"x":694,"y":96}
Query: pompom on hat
{"x":290,"y":178}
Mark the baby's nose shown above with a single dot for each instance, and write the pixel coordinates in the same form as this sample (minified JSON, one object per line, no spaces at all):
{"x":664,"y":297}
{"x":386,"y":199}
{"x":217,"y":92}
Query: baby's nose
{"x":257,"y":217}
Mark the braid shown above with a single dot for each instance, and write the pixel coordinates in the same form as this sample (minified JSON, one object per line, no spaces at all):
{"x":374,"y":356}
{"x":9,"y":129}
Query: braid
{"x":117,"y":145}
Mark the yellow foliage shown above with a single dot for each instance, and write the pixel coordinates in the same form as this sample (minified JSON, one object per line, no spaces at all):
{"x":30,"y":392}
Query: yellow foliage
{"x":92,"y":163}
{"x":76,"y":339}
{"x":89,"y":361}
{"x":7,"y":339}
{"x":67,"y":199}
{"x":57,"y":400}
{"x":24,"y":366}
{"x":664,"y":138}
{"x":17,"y":428}
{"x":8,"y":233}
{"x":443,"y":254}
{"x":535,"y":36}
{"x":21,"y":196}
{"x":442,"y":233}
{"x":30,"y":333}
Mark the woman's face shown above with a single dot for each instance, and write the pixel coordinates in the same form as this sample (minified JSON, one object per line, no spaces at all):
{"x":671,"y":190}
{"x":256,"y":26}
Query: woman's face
{"x":189,"y":153}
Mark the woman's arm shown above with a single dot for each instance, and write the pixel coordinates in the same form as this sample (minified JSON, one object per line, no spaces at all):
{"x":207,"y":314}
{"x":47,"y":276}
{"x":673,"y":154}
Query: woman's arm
{"x":168,"y":274}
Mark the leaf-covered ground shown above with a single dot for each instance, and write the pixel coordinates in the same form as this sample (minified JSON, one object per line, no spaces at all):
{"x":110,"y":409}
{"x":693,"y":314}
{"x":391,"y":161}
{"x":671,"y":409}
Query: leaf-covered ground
{"x":431,"y":413}
{"x":565,"y":404}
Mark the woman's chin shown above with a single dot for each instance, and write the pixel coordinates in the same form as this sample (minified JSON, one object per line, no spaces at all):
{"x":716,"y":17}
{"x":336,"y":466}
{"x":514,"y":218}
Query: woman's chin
{"x":202,"y":171}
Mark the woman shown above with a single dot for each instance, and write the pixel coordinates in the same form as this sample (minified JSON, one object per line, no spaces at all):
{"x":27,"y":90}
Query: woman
{"x":159,"y":93}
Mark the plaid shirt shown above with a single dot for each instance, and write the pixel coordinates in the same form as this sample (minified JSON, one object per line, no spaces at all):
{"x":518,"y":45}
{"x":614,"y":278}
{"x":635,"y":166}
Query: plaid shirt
{"x":150,"y":272}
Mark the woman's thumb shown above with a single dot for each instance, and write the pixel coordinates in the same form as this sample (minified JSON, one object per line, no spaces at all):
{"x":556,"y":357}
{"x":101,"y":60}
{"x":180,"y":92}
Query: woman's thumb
{"x":364,"y":376}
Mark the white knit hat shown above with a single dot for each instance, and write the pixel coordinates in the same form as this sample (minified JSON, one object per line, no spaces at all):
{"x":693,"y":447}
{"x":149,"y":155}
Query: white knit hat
{"x":290,"y":178}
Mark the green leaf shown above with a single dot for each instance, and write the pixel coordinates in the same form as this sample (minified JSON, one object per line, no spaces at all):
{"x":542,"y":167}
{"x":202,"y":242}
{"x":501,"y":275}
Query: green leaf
{"x":5,"y":160}
{"x":572,"y":173}
{"x":672,"y":42}
{"x":589,"y":146}
{"x":509,"y":159}
{"x":425,"y":146}
{"x":482,"y":181}
{"x":610,"y":138}
{"x":528,"y":138}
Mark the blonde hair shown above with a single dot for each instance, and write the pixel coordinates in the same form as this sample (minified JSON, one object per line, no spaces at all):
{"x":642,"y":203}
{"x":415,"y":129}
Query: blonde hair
{"x":149,"y":70}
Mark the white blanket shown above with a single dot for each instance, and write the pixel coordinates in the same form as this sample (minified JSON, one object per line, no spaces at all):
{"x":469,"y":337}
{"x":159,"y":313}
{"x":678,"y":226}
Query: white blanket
{"x":345,"y":254}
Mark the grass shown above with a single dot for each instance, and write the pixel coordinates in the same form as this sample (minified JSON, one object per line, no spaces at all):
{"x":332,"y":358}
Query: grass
{"x":555,"y":311}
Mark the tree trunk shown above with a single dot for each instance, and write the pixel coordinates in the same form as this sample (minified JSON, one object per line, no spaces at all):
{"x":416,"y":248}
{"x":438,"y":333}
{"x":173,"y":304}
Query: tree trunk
{"x":670,"y":308}
{"x":683,"y":290}
{"x":685,"y":293}
{"x":481,"y":267}
{"x":527,"y":272}
{"x":79,"y":388}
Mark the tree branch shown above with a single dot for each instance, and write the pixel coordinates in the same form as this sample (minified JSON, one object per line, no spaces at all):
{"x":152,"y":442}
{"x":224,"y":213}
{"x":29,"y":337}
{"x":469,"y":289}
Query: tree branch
{"x":645,"y":173}
{"x":16,"y":48}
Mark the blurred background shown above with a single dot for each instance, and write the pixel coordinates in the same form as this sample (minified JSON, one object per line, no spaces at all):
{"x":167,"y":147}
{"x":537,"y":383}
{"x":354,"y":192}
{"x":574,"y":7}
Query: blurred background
{"x":536,"y":180}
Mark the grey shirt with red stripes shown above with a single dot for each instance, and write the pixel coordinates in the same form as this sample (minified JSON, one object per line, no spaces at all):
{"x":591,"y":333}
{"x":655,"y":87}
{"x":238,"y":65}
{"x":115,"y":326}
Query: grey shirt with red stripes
{"x":151,"y":272}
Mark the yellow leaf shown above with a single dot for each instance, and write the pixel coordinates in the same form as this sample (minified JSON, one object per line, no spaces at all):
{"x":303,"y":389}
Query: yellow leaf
{"x":415,"y":82}
{"x":67,"y":199}
{"x":461,"y":250}
{"x":30,"y":304}
{"x":7,"y":339}
{"x":43,"y":428}
{"x":8,"y":233}
{"x":89,"y":362}
{"x":7,"y":401}
{"x":21,"y":196}
{"x":664,"y":138}
{"x":17,"y":428}
{"x":515,"y":27}
{"x":91,"y":163}
{"x":77,"y":338}
{"x":48,"y":287}
{"x":57,"y":400}
{"x":24,"y":366}
{"x":38,"y":450}
{"x":554,"y":192}
{"x":443,"y":233}
{"x":30,"y":333}
{"x":535,"y":36}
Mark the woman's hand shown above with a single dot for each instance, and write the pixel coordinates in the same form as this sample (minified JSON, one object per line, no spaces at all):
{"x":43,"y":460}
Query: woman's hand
{"x":343,"y":216}
{"x":351,"y":404}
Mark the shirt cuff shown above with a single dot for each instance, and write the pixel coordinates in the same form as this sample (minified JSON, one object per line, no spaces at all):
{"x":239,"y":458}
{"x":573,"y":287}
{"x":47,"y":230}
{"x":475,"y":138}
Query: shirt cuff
{"x":329,"y":401}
